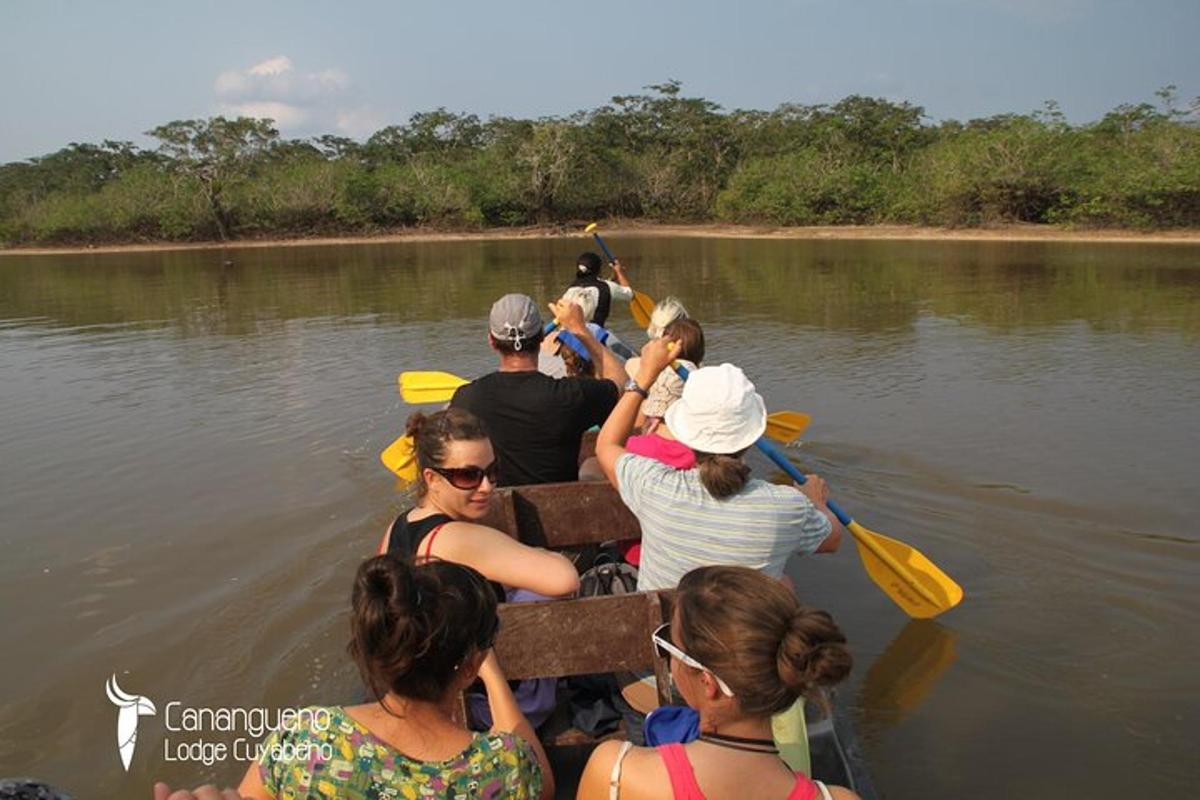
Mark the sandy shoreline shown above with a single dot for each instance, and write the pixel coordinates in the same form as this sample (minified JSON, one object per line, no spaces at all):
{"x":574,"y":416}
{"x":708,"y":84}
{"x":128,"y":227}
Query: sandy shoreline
{"x":1016,"y":233}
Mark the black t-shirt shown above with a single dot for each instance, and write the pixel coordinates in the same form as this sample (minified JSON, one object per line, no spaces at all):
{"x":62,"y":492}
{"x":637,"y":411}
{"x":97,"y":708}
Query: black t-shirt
{"x":536,"y":422}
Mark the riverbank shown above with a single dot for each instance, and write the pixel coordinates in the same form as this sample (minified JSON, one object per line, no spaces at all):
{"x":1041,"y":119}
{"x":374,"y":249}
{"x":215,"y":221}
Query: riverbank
{"x":1011,"y":233}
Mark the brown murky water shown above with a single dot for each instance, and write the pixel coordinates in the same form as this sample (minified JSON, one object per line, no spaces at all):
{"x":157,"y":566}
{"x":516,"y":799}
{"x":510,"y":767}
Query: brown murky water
{"x":189,"y":472}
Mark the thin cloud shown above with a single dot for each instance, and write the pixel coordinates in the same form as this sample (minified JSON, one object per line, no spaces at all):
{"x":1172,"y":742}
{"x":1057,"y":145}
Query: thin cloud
{"x":299,"y":101}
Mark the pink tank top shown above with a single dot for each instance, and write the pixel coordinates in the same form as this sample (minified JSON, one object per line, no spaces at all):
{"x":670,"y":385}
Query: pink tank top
{"x":683,"y":778}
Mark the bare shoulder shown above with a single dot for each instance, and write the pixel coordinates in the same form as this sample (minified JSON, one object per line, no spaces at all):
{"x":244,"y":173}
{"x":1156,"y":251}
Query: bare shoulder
{"x":841,"y":793}
{"x":642,"y":772}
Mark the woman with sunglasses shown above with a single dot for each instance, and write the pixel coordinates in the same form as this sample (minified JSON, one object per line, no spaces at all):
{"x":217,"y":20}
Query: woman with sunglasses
{"x":458,"y":476}
{"x":420,"y":635}
{"x":741,"y":649}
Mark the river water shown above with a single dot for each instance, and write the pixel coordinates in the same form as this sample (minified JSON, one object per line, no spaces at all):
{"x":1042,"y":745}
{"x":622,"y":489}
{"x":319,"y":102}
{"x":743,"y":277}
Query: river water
{"x":190,"y":475}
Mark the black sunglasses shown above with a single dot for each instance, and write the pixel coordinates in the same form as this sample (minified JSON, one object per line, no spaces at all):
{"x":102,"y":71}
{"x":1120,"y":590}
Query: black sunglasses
{"x":469,"y":477}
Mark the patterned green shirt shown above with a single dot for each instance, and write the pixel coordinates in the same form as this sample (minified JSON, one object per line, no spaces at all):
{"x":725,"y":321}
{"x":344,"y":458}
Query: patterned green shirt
{"x":347,"y":761}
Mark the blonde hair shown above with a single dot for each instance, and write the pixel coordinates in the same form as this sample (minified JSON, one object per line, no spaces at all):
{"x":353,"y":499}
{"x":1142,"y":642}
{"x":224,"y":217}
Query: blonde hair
{"x":667,"y":311}
{"x":584,"y":297}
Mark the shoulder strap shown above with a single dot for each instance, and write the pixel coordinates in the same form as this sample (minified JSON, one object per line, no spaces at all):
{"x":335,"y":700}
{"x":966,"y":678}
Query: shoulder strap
{"x":679,"y":770}
{"x":807,"y":789}
{"x":429,"y":542}
{"x":614,"y":779}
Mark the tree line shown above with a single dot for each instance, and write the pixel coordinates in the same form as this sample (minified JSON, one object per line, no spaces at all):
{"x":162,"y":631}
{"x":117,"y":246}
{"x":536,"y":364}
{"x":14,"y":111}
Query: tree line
{"x":659,"y":155}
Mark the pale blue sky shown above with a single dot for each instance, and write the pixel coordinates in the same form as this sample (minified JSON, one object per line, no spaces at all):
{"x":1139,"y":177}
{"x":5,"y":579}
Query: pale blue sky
{"x":87,"y":71}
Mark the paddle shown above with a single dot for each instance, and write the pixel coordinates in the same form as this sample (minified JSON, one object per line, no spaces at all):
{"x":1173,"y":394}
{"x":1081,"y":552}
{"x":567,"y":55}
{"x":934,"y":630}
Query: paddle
{"x":641,"y":306}
{"x":904,"y":574}
{"x":429,"y":387}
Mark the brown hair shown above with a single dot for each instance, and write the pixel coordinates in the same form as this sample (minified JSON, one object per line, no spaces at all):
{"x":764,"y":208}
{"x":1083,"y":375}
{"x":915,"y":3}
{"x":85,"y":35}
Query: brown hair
{"x":413,"y":626}
{"x":751,"y":630}
{"x":576,"y":367}
{"x":691,"y":339}
{"x":431,"y":434}
{"x":723,"y":474}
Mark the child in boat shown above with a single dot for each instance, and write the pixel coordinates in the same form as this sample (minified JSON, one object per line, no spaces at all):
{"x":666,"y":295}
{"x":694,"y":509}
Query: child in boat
{"x":421,"y":634}
{"x":665,"y":390}
{"x":714,"y":513}
{"x":741,"y":649}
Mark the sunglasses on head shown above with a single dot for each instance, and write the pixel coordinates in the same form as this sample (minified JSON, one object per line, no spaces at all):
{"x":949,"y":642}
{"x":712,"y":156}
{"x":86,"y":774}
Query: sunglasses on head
{"x":469,"y":477}
{"x":666,"y":650}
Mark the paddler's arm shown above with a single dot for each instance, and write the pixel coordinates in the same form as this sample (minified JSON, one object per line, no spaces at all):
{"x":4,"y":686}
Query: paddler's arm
{"x":507,"y":716}
{"x":570,"y":318}
{"x":610,"y":444}
{"x":619,"y":273}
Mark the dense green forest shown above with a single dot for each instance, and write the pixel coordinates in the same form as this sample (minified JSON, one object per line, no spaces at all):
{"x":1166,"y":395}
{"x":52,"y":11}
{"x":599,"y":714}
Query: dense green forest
{"x":656,"y":156}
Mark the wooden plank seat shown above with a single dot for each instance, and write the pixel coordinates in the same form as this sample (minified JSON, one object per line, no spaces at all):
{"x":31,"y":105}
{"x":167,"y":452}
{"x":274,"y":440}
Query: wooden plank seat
{"x":561,"y":515}
{"x":584,"y":636}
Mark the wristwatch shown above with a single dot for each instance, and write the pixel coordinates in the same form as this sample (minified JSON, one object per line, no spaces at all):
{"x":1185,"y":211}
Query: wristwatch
{"x":632,"y":386}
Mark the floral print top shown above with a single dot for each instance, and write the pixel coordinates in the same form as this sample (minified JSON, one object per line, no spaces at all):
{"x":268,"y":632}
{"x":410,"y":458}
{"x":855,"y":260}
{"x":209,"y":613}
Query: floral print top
{"x":345,"y":760}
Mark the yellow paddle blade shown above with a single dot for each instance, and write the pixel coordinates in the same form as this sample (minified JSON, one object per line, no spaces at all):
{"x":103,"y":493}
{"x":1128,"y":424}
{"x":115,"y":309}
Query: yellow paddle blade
{"x":912,"y":581}
{"x":591,"y":227}
{"x":401,"y":458}
{"x":429,"y":387}
{"x":641,"y":306}
{"x":786,"y":426}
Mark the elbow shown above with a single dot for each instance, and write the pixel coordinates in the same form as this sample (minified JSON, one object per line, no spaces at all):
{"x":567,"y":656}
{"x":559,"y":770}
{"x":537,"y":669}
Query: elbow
{"x":833,"y":541}
{"x":563,"y":581}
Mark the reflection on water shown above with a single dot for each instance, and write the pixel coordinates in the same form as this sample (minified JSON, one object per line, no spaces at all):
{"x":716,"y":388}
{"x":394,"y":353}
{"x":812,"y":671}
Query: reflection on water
{"x":190,"y":475}
{"x":900,"y":679}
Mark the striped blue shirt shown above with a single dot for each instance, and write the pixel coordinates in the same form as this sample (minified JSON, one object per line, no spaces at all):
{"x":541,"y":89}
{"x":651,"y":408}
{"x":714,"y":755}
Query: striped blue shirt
{"x":684,"y":527}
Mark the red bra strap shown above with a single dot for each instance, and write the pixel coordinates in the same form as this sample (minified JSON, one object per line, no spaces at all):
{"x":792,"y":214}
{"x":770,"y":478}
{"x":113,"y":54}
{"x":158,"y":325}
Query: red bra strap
{"x":429,"y":542}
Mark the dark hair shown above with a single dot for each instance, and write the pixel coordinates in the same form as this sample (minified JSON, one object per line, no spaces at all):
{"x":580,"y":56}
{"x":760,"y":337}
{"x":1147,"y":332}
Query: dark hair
{"x":430,"y":435}
{"x":722,"y":474}
{"x":690,"y":336}
{"x":590,"y":262}
{"x":413,"y":626}
{"x":750,"y":629}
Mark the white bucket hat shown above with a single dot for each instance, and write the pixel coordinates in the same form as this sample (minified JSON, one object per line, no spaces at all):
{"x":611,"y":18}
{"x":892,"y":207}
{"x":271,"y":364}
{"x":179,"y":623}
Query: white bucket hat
{"x":719,"y":412}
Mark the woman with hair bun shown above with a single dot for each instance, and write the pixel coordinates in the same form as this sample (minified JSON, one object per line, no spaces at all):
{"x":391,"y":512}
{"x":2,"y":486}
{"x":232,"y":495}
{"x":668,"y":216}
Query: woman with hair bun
{"x":420,"y":635}
{"x":458,"y":476}
{"x":741,"y":649}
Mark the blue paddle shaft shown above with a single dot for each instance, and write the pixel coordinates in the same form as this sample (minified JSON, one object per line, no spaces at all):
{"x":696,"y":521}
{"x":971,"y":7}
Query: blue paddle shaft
{"x":607,"y":253}
{"x":772,"y":452}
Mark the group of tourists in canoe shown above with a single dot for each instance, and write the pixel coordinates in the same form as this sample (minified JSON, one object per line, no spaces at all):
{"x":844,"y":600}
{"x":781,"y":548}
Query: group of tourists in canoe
{"x":741,"y":647}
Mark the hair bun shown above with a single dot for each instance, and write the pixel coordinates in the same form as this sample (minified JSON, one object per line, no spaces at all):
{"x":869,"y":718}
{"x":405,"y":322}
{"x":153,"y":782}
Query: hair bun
{"x":813,"y":652}
{"x":416,"y":421}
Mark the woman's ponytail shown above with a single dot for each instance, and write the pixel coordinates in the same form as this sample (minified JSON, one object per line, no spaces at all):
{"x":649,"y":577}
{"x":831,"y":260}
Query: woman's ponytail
{"x":722,"y":475}
{"x":813,"y":652}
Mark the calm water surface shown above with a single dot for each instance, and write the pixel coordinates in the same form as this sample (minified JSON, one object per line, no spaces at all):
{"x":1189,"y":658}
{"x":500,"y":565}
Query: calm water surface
{"x":189,"y":476}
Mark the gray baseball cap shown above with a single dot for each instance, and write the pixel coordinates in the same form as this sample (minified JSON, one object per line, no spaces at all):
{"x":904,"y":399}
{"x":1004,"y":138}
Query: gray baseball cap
{"x":515,"y":319}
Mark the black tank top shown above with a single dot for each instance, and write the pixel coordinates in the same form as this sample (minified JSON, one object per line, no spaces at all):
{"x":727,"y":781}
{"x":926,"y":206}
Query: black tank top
{"x":603,"y":302}
{"x":405,"y":538}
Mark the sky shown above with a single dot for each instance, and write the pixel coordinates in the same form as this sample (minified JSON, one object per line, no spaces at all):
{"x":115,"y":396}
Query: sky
{"x":86,"y":71}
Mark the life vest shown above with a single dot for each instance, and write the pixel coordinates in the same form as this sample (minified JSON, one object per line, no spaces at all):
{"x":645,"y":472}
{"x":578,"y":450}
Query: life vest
{"x":603,"y":302}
